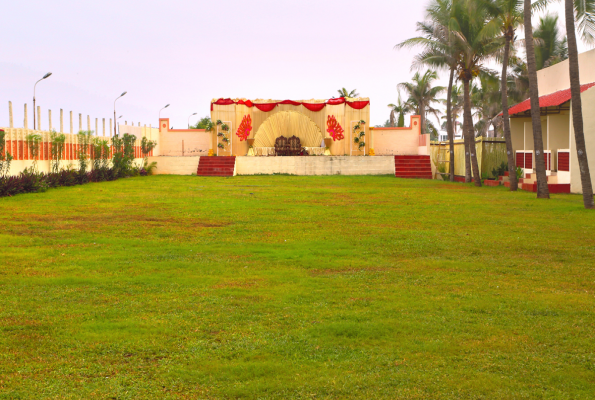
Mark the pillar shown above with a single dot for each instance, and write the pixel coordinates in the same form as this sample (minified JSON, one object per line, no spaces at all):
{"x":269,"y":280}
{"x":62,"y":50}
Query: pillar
{"x":25,"y":122}
{"x":50,"y":120}
{"x":88,"y":123}
{"x":80,"y":122}
{"x":61,"y":121}
{"x":10,"y":121}
{"x":71,"y":123}
{"x":110,"y":127}
{"x":103,"y":126}
{"x":38,"y":118}
{"x":96,"y":127}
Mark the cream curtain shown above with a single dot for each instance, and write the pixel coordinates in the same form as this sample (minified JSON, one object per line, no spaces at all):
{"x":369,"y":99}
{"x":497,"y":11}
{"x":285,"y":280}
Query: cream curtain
{"x":288,"y":123}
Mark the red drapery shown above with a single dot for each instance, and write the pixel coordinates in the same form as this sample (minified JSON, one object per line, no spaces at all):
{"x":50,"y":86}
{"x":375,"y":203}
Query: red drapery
{"x":358,"y":105}
{"x":266,"y":107}
{"x":314,"y":106}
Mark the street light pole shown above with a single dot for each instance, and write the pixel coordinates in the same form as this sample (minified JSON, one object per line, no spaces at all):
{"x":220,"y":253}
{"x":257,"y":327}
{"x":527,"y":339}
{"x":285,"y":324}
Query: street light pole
{"x":34,"y":86}
{"x":189,"y":120}
{"x":115,"y":120}
{"x":167,"y":105}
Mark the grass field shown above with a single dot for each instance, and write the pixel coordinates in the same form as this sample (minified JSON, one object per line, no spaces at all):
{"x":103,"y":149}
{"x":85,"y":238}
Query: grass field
{"x":295,"y":287}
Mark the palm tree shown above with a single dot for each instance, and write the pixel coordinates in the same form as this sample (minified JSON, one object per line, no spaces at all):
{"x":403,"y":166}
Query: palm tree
{"x":422,"y":95}
{"x":344,"y":93}
{"x":439,"y":52}
{"x":542,"y":188}
{"x":477,"y":47}
{"x":553,"y":48}
{"x":586,"y":24}
{"x":507,"y":17}
{"x":487,"y":102}
{"x":401,"y":108}
{"x":456,"y":101}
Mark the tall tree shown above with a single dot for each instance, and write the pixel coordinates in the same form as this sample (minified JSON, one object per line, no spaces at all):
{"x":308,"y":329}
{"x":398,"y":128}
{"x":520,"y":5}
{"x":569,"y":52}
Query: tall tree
{"x":439,"y":52}
{"x":507,"y":17}
{"x":477,"y":47}
{"x":422,"y":94}
{"x":585,"y":15}
{"x":542,"y":188}
{"x":345,"y":93}
{"x":552,"y":47}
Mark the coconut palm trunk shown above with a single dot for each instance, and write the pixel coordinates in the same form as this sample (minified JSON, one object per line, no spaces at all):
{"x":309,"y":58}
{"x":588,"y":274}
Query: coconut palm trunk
{"x":506,"y":119}
{"x":468,"y":132}
{"x":542,"y":189}
{"x":422,"y":118}
{"x":449,"y":126}
{"x":577,"y":114}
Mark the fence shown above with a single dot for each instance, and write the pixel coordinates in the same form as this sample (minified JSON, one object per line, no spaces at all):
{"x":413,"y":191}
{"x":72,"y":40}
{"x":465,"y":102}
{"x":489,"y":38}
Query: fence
{"x":490,"y":152}
{"x":16,"y":139}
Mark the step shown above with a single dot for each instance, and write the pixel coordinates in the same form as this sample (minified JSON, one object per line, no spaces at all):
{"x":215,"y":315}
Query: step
{"x":412,"y":157}
{"x":491,"y":183}
{"x":216,"y":166}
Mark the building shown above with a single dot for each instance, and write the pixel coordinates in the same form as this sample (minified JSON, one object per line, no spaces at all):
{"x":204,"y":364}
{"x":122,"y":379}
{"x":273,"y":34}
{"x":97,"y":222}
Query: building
{"x":556,"y":120}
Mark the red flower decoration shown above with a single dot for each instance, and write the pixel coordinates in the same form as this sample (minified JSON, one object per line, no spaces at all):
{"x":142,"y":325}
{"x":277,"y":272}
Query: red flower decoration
{"x":334,"y":128}
{"x":245,"y":128}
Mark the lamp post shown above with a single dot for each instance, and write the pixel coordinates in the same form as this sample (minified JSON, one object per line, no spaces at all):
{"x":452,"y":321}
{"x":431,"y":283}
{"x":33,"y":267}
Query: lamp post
{"x":115,"y":120}
{"x":189,"y":120}
{"x":167,"y":105}
{"x":44,"y":77}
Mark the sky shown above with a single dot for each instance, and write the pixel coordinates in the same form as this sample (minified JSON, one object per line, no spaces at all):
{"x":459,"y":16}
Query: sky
{"x":186,"y":53}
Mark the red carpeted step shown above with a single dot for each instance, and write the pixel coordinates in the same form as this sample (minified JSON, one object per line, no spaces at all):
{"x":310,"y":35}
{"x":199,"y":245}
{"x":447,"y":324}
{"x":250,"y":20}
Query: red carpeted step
{"x":413,"y":167}
{"x":216,"y":166}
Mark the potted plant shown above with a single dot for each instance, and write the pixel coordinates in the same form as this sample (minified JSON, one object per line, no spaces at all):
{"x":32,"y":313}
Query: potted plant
{"x":219,"y":122}
{"x":356,"y":128}
{"x":225,"y":139}
{"x":362,"y":134}
{"x":361,"y":144}
{"x":220,"y":134}
{"x":356,"y":139}
{"x":362,"y":122}
{"x":224,"y":127}
{"x":221,"y":146}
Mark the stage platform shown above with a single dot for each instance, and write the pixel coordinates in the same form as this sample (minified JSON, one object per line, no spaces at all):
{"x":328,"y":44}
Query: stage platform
{"x":312,"y":165}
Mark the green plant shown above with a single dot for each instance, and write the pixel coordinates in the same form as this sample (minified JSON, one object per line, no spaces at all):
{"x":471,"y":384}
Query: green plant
{"x":362,"y":134}
{"x":441,"y":168}
{"x":224,"y":127}
{"x":57,"y":141}
{"x":219,"y":122}
{"x":33,"y":143}
{"x":5,"y":157}
{"x":361,"y":144}
{"x":84,"y":139}
{"x":362,"y":122}
{"x":356,"y":128}
{"x":221,"y":146}
{"x":356,"y":139}
{"x":519,"y":172}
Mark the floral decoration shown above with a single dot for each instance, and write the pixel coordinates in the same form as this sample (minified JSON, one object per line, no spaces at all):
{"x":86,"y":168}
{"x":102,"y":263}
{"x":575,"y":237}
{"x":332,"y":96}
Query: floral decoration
{"x":334,"y":128}
{"x":245,"y":128}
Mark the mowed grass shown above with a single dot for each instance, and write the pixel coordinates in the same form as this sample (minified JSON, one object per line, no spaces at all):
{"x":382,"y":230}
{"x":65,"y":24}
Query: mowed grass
{"x":295,"y":287}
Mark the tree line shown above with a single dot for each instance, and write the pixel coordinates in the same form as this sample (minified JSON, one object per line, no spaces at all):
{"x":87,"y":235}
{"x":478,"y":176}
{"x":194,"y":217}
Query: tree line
{"x":466,"y":37}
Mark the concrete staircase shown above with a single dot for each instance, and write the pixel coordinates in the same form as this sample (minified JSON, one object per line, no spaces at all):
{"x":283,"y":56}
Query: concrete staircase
{"x":413,"y":167}
{"x":216,"y":166}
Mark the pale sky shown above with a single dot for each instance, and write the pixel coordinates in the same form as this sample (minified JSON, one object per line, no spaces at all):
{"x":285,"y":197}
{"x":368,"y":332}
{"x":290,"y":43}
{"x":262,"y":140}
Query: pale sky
{"x":188,"y":52}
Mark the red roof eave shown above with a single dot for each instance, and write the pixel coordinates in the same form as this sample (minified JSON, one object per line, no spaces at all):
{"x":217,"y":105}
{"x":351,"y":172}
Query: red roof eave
{"x":549,"y":100}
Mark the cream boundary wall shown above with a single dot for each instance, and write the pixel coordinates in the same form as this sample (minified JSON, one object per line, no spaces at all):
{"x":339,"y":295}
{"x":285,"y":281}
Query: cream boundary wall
{"x":183,"y":142}
{"x":588,"y":100}
{"x":398,"y":141}
{"x":557,"y":77}
{"x":315,"y":165}
{"x":175,"y":165}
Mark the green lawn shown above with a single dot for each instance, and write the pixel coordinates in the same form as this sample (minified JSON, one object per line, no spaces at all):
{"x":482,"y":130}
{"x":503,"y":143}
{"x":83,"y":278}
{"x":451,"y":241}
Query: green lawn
{"x":295,"y":287}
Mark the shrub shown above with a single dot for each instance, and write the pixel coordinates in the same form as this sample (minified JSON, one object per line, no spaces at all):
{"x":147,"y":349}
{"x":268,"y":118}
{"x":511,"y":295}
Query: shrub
{"x":58,"y":141}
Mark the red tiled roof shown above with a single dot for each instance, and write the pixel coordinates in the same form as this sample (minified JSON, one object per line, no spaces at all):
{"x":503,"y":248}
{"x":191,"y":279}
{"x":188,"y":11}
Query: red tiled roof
{"x":549,"y":100}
